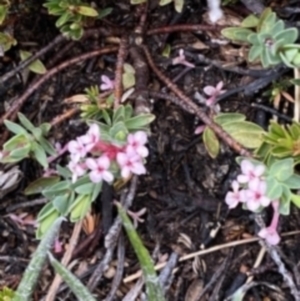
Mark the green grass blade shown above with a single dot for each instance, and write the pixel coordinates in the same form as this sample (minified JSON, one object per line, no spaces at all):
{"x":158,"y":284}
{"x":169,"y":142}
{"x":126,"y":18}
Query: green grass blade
{"x":153,"y":289}
{"x":79,"y":290}
{"x":31,"y":274}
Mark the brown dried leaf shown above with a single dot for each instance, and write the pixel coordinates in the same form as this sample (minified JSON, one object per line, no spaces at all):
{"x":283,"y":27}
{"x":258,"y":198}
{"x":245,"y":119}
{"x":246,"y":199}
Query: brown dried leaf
{"x":9,"y":180}
{"x":78,"y":98}
{"x":194,"y":290}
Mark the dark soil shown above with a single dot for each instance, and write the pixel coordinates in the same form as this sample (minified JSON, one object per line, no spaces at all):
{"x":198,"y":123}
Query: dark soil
{"x":184,"y":188}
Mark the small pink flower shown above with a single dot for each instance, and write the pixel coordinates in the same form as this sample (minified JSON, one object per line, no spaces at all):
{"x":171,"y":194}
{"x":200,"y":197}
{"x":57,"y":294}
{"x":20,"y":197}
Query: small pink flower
{"x":57,"y":248}
{"x":199,"y":129}
{"x":107,"y":83}
{"x":256,"y":195}
{"x":233,"y":198}
{"x":136,"y":143}
{"x":136,"y":216}
{"x":91,"y":138}
{"x":99,"y":169}
{"x":130,"y":162}
{"x":250,"y":172}
{"x":270,"y":233}
{"x":181,"y":60}
{"x":77,"y":150}
{"x":77,"y":170}
{"x":213,"y":92}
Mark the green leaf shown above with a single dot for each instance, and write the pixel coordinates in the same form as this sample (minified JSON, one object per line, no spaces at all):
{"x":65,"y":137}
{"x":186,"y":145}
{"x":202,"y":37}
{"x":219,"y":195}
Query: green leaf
{"x":140,"y":121}
{"x":46,"y":223}
{"x":63,"y":19}
{"x":63,"y":171}
{"x":254,"y":53}
{"x":247,"y":133}
{"x":167,"y":51}
{"x":36,"y":66}
{"x":85,"y":188}
{"x":164,"y":2}
{"x":296,"y":60}
{"x":3,"y":13}
{"x":21,"y":152}
{"x":128,"y":80}
{"x":268,"y":22}
{"x":15,"y":142}
{"x":154,"y":291}
{"x":47,"y":146}
{"x":45,"y":127}
{"x":290,"y":54}
{"x":254,"y":39}
{"x":225,"y":118}
{"x":285,"y":201}
{"x":264,"y":58}
{"x":80,"y":207}
{"x":25,"y":122}
{"x":96,"y":191}
{"x":211,"y":142}
{"x":34,"y":269}
{"x":40,"y":184}
{"x":87,"y":11}
{"x":295,"y":199}
{"x":118,"y":131}
{"x":40,"y":154}
{"x":278,"y":27}
{"x":105,"y":12}
{"x":236,"y":33}
{"x":285,"y":60}
{"x":57,"y":189}
{"x":293,"y":182}
{"x":37,"y":133}
{"x":282,"y":169}
{"x":45,"y":211}
{"x":80,"y":291}
{"x":289,"y":35}
{"x":61,"y":203}
{"x":274,"y":189}
{"x":14,"y":127}
{"x":119,"y":114}
{"x":178,"y":4}
{"x":250,"y":21}
{"x":135,"y":2}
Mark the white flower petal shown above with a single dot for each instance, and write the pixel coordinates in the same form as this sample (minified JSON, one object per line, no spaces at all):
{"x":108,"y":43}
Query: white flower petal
{"x":242,"y":179}
{"x":91,"y":163}
{"x":122,"y":159}
{"x":259,"y":170}
{"x":143,"y":151}
{"x":125,"y":172}
{"x":103,"y":162}
{"x":231,"y":200}
{"x":209,"y":90}
{"x":253,"y":204}
{"x":138,"y":168}
{"x":107,"y":176}
{"x":265,"y":201}
{"x":72,"y":146}
{"x":141,"y":137}
{"x":246,"y":167}
{"x":95,"y":176}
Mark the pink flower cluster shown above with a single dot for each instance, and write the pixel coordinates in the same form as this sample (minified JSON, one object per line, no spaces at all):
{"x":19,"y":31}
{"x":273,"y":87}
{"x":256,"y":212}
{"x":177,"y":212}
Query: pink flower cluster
{"x":89,"y":154}
{"x":254,"y":188}
{"x":250,"y":189}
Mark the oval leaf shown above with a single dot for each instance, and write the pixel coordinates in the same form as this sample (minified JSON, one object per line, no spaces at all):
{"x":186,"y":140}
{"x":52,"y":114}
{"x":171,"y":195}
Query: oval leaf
{"x":40,"y":184}
{"x":211,"y":142}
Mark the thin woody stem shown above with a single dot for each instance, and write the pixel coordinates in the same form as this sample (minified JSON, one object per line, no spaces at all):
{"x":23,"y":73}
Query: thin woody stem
{"x":198,"y":111}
